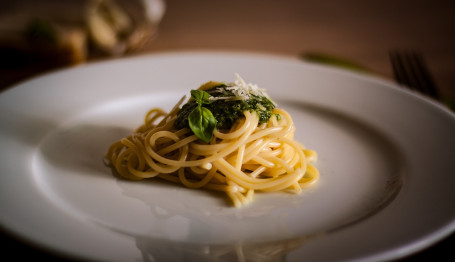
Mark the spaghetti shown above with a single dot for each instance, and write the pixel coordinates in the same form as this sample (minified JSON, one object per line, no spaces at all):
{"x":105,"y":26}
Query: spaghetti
{"x":250,"y":156}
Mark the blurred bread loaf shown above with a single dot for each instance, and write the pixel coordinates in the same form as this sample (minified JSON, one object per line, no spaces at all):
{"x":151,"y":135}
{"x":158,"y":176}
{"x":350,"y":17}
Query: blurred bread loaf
{"x":61,"y":32}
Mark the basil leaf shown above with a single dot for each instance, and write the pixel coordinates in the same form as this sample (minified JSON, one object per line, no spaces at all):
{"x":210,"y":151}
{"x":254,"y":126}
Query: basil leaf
{"x":200,"y":96}
{"x":202,"y":123}
{"x":196,"y":95}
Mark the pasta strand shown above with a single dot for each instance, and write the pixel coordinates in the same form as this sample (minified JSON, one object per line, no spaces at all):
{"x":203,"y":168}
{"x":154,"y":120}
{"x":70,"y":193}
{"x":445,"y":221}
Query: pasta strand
{"x":241,"y":161}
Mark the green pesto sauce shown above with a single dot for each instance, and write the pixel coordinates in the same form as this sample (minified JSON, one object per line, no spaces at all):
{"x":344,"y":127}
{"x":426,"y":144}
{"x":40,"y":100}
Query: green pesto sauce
{"x":227,"y":112}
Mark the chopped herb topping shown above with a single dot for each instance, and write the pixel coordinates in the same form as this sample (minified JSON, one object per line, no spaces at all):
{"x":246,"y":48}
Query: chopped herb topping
{"x":227,"y":102}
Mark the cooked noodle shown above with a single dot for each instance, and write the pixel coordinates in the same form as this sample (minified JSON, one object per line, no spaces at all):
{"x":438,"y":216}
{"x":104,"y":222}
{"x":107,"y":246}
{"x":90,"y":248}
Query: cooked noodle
{"x":247,"y":158}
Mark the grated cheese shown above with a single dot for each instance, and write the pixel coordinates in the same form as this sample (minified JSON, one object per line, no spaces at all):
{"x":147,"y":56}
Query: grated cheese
{"x":241,"y":90}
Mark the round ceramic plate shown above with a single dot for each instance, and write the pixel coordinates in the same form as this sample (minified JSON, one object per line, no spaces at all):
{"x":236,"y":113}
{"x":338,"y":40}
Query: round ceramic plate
{"x":385,"y":158}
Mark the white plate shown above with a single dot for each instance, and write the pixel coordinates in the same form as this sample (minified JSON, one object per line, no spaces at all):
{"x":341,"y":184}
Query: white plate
{"x":385,"y":157}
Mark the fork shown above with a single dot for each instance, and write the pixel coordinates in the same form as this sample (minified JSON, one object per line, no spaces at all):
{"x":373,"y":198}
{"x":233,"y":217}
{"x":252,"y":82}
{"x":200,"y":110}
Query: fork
{"x":410,"y":71}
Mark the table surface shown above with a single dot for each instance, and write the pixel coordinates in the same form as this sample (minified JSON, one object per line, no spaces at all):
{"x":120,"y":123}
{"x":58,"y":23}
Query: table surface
{"x":362,"y":31}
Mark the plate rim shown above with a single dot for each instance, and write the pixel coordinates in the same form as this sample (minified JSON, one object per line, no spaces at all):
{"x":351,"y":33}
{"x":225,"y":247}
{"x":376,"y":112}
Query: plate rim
{"x":419,"y":244}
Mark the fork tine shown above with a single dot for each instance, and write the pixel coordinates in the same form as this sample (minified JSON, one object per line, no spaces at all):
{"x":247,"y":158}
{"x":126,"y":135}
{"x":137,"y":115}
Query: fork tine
{"x":399,"y":71}
{"x":426,"y":81}
{"x":410,"y":70}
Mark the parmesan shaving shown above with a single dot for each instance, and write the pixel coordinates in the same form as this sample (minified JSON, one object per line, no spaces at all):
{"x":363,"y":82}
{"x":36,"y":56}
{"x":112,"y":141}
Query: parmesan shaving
{"x":241,"y":90}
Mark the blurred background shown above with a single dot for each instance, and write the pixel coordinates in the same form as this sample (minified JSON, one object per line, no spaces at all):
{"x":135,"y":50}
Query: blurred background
{"x":37,"y":37}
